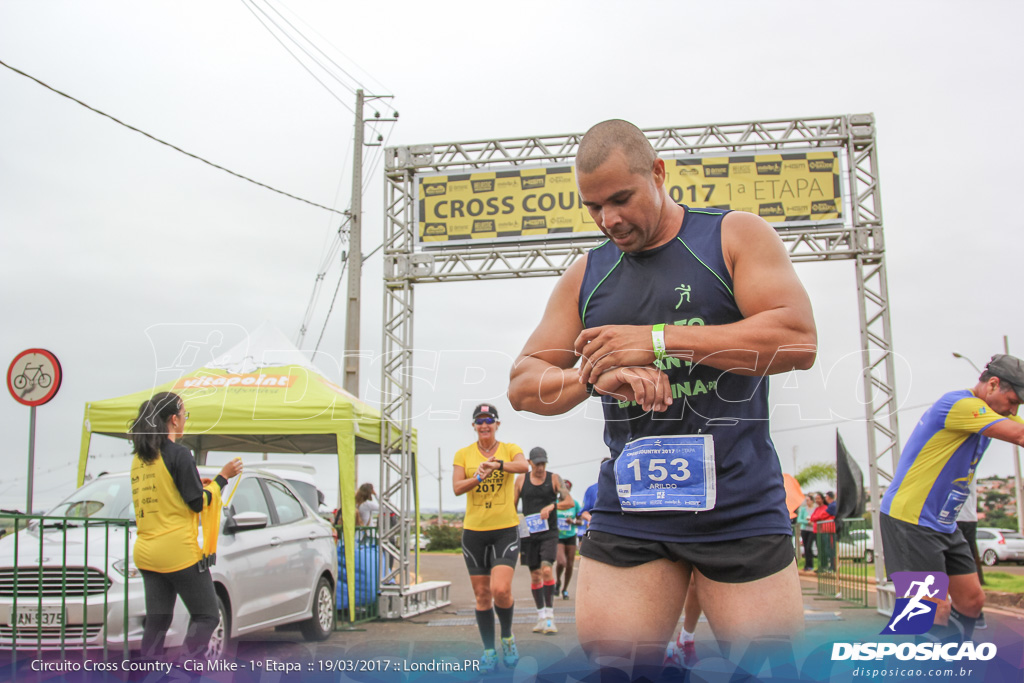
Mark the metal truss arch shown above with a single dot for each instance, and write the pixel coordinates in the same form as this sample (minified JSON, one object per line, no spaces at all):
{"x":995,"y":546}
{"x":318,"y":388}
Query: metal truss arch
{"x":858,"y":237}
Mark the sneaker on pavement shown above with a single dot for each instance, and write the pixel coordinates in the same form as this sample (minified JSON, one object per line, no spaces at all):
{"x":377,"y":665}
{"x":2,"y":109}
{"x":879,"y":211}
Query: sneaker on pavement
{"x":980,"y":624}
{"x":509,"y":652}
{"x":689,"y":654}
{"x":549,"y":627}
{"x":565,"y":595}
{"x":489,"y":662}
{"x":539,"y":628}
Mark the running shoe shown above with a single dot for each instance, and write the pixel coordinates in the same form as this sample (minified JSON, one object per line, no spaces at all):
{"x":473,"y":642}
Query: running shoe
{"x":549,"y":627}
{"x":509,"y":652}
{"x":565,"y":595}
{"x":673,"y":657}
{"x":980,"y":624}
{"x":689,"y":654}
{"x":681,"y":655}
{"x":558,"y":585}
{"x":541,"y":623}
{"x":489,"y":662}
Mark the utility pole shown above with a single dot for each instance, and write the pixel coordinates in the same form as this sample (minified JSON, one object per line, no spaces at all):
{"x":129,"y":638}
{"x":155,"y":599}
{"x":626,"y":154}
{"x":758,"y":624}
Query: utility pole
{"x":1018,"y":486}
{"x":355,"y":241}
{"x":440,"y":515}
{"x":355,"y":257}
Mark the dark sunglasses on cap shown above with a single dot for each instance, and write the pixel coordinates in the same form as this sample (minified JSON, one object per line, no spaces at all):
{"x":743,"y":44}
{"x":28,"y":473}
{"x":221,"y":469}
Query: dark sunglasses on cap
{"x":484,"y":421}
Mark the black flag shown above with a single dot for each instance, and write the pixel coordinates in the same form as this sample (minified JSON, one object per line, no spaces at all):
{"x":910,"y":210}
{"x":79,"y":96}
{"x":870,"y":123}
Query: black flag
{"x":850,"y":483}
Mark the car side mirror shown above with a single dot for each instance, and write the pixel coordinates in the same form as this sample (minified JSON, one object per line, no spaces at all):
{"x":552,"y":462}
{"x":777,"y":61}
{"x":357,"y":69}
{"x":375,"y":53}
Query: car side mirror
{"x":244,"y":521}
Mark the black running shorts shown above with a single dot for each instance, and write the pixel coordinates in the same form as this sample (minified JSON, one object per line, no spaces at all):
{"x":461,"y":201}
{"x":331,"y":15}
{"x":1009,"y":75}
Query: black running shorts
{"x":915,"y":548}
{"x":484,"y":550}
{"x":537,"y":552}
{"x":737,"y":561}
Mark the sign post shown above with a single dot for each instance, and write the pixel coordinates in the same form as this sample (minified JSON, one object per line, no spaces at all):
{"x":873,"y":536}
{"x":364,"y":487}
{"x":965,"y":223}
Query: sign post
{"x":33,"y":379}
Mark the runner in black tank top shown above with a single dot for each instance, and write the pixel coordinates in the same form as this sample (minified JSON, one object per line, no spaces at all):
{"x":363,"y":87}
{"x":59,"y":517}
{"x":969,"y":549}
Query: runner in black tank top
{"x":542,"y":493}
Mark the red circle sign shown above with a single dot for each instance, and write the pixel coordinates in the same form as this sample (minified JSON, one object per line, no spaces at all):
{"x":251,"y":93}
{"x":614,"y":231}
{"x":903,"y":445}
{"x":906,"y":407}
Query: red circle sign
{"x":34,"y":377}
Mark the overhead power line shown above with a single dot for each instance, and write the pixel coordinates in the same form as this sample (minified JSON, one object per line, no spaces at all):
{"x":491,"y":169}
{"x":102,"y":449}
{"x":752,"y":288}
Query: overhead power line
{"x":294,"y":56}
{"x":163,"y":142}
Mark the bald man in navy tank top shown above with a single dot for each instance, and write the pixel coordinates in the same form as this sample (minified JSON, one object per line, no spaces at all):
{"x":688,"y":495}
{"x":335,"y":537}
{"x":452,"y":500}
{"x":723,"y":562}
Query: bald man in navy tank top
{"x":675,"y":322}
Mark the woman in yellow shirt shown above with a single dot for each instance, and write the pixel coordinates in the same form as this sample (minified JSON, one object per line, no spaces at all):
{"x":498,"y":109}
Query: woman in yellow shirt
{"x":486,"y":471}
{"x":168,"y":496}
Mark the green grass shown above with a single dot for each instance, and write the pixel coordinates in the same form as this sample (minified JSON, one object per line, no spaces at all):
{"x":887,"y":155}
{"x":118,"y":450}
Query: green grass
{"x":1003,"y":582}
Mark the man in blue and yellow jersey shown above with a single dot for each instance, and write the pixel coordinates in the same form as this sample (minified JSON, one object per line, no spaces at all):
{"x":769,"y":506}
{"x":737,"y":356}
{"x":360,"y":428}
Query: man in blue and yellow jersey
{"x":933,"y":478}
{"x":486,"y":471}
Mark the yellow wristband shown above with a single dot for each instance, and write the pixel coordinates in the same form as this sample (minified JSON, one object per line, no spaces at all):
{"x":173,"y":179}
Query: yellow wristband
{"x":658,"y":340}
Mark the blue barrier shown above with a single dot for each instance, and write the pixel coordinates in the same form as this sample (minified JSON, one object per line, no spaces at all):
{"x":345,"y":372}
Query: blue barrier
{"x":365,"y":575}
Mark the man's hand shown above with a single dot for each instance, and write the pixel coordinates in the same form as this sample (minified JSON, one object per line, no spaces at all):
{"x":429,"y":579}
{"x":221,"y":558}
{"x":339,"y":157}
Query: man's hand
{"x":648,"y":386}
{"x":612,"y":346}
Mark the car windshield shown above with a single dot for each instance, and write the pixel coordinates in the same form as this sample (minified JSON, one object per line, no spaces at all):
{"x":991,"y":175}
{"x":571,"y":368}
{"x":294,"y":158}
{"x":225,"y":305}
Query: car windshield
{"x":108,"y":497}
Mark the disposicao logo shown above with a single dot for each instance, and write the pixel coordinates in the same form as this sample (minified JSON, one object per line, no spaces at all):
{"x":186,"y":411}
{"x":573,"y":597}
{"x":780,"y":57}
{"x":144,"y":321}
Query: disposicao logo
{"x":914,"y":613}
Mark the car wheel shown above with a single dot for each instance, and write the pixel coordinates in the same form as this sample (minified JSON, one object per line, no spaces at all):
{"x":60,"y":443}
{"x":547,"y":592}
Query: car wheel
{"x":989,"y":558}
{"x":321,"y":624}
{"x":221,"y":646}
{"x":869,"y":556}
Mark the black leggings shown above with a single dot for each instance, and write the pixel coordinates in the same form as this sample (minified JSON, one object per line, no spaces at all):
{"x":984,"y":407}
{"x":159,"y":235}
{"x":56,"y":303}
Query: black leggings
{"x":808,"y":538}
{"x":162,"y":591}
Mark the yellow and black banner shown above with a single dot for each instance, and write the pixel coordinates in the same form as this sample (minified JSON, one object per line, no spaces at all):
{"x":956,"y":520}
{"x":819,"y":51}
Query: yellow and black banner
{"x":787,"y":190}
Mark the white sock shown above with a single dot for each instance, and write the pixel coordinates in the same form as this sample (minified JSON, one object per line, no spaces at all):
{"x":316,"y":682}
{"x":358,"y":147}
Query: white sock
{"x":549,"y":612}
{"x":542,"y":613}
{"x":684,"y":636}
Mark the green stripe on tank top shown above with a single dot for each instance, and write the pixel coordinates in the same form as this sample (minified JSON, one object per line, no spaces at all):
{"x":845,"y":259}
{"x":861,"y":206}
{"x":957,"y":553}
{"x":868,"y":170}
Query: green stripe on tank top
{"x":710,"y":269}
{"x":583,"y":318}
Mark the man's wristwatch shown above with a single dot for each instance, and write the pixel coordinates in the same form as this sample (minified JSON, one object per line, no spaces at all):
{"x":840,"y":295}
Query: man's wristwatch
{"x":501,"y":465}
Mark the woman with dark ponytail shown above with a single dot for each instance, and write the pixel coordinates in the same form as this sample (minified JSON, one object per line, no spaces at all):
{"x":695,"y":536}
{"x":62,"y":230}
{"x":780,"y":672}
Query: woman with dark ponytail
{"x":168,"y":495}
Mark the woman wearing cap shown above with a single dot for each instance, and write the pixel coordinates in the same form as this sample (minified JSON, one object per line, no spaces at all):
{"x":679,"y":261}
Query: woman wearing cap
{"x":168,"y":495}
{"x":486,"y":471}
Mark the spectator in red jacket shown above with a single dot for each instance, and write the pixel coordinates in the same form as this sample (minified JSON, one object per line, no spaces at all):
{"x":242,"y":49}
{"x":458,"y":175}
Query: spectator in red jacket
{"x":825,"y":531}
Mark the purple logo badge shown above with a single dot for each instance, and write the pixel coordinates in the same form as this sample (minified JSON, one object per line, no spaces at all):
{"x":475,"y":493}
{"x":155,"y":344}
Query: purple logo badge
{"x":914,"y":613}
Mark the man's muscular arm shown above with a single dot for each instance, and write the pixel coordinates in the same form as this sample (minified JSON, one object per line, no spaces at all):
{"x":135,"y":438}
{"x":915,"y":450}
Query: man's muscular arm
{"x":543,"y":380}
{"x":776,"y":334}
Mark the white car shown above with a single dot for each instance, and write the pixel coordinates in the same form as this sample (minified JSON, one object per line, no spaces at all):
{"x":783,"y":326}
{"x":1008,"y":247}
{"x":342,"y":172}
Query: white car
{"x":858,"y":544}
{"x":302,"y":476}
{"x":71,"y":579}
{"x":1000,"y":545}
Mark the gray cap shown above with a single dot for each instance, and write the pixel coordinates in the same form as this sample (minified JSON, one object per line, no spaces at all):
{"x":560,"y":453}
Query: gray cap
{"x":538,"y":455}
{"x":1009,"y":369}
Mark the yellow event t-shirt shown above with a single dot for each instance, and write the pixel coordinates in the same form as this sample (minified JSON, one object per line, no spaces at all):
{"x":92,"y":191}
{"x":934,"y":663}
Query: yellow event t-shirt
{"x":491,"y":505}
{"x":168,"y":528}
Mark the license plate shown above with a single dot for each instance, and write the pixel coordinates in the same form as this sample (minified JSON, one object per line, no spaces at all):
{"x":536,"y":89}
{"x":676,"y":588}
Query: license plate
{"x":34,"y":616}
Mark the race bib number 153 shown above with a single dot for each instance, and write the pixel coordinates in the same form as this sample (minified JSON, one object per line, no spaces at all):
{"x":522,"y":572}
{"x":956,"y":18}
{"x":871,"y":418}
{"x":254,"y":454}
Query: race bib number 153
{"x":667,"y":473}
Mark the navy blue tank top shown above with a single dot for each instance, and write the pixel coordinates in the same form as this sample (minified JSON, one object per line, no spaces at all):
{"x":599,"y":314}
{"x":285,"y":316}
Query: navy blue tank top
{"x":686,"y":282}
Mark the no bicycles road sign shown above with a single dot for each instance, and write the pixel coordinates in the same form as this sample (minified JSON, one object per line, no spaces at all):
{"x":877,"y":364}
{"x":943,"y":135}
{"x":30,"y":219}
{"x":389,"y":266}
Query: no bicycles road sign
{"x":34,"y":377}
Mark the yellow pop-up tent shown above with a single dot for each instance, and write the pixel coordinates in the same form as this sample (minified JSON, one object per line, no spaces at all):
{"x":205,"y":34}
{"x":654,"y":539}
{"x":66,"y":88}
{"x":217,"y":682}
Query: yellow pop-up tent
{"x":261,"y":396}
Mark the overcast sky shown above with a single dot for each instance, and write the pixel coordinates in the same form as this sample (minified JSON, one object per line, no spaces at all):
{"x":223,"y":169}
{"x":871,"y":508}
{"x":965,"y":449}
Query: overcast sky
{"x":116,"y":251}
